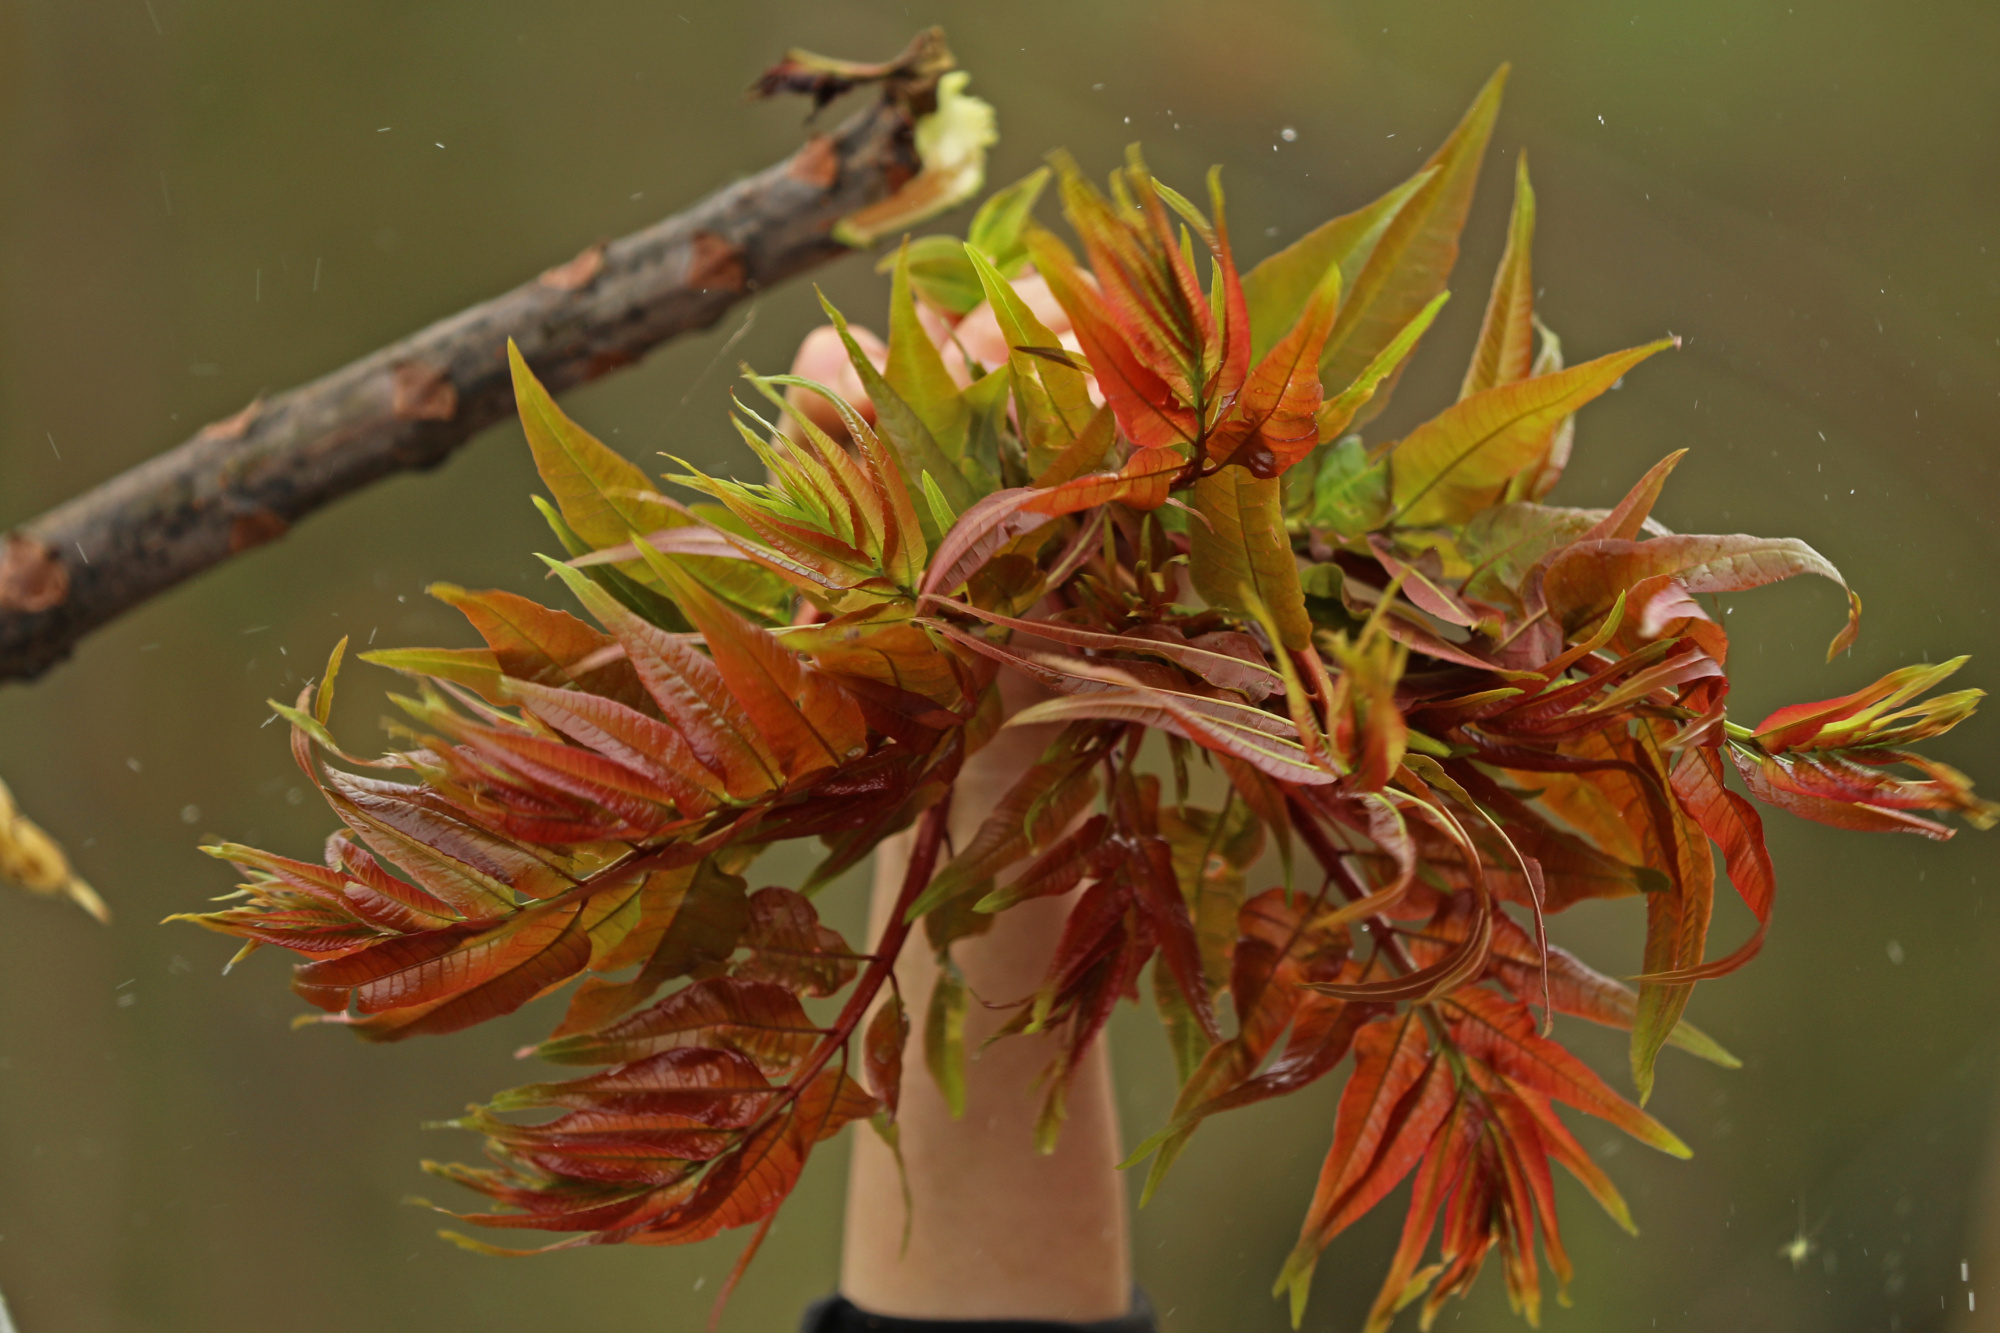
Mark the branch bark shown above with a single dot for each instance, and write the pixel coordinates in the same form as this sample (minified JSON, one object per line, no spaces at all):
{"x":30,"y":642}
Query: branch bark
{"x":245,"y":480}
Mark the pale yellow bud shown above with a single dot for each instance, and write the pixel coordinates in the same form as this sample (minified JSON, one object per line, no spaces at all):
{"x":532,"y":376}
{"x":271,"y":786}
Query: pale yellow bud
{"x":31,"y":858}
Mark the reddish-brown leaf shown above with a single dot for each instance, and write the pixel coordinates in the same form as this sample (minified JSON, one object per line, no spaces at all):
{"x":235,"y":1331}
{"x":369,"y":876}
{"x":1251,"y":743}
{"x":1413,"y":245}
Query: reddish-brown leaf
{"x":805,"y":718}
{"x":882,"y":1052}
{"x":1808,"y":789}
{"x":1394,"y":1102}
{"x":717,"y":1089}
{"x":1141,"y":484}
{"x":1732,"y":823}
{"x":979,"y":533}
{"x":1628,"y":519}
{"x":689,"y":691}
{"x":690,"y":918}
{"x":1055,"y":872}
{"x":534,"y":642}
{"x":1444,"y":1161}
{"x":628,"y":736}
{"x":641,"y":801}
{"x":1574,"y":987}
{"x":1584,"y":580}
{"x":1149,"y":410}
{"x":1032,"y":814}
{"x":1210,"y":656}
{"x":788,"y":945}
{"x":1273,"y":424}
{"x":1158,"y":895}
{"x":759,"y":1018}
{"x":482,"y":977}
{"x":1501,"y":1033}
{"x":1676,"y":920}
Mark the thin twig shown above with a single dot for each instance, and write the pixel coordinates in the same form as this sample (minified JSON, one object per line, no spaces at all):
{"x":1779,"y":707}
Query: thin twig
{"x":245,"y":480}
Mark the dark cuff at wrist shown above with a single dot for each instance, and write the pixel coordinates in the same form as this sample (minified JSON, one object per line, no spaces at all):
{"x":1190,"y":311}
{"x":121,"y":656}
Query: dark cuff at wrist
{"x":837,"y":1314}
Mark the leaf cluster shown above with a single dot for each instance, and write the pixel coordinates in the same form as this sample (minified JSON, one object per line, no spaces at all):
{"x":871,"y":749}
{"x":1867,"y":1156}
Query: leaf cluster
{"x":1452,"y":707}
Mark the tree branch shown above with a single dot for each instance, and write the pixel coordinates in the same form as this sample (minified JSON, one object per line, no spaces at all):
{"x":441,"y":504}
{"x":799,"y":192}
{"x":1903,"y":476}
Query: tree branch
{"x":245,"y":480}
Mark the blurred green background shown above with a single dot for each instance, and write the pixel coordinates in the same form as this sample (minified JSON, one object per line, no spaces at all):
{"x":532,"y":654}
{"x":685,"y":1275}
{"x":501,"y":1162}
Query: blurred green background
{"x":201,"y":200}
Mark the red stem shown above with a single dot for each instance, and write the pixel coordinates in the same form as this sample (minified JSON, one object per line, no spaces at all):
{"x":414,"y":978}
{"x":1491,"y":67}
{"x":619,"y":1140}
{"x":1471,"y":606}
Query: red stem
{"x":916,"y":877}
{"x":923,"y":862}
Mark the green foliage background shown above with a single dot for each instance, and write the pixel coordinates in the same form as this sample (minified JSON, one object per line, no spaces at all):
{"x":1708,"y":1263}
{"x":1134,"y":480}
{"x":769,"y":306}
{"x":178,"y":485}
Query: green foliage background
{"x":1806,"y":193}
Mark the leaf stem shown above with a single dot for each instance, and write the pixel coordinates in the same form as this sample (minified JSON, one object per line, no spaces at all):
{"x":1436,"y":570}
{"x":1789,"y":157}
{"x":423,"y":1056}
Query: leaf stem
{"x":917,"y":876}
{"x":922,"y":863}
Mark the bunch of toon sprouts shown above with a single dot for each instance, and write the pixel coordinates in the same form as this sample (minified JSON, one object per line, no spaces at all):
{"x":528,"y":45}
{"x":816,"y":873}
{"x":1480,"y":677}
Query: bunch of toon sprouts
{"x":1451,"y":707}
